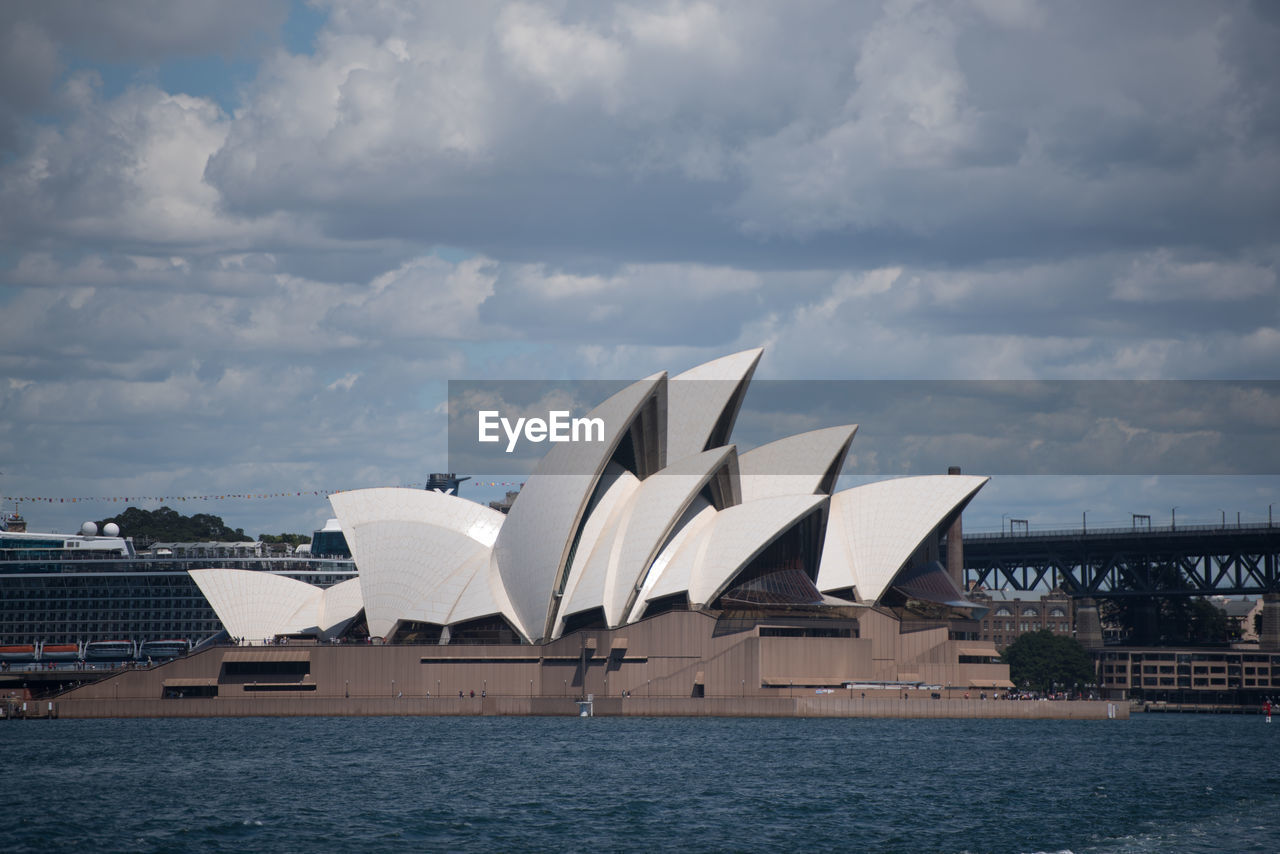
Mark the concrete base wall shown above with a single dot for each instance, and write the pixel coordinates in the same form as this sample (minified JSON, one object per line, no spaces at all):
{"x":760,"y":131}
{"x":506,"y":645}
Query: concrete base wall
{"x":754,"y":707}
{"x":672,"y":664}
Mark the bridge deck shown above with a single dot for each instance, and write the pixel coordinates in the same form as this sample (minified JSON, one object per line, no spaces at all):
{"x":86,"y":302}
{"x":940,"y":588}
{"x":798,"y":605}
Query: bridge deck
{"x":1169,"y":561}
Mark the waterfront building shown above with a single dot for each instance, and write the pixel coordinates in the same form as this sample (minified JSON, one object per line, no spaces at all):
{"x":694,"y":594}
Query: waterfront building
{"x":1012,"y":614}
{"x":1240,"y":675}
{"x":503,"y":505}
{"x":657,"y":559}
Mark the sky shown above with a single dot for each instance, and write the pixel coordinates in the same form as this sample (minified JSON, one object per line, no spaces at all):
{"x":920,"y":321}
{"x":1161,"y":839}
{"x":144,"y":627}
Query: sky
{"x":245,"y":246}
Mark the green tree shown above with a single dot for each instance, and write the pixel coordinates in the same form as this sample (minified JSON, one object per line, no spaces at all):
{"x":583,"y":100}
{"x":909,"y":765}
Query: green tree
{"x":167,"y":525}
{"x":291,"y":539}
{"x":1170,"y":620}
{"x":1042,"y":658}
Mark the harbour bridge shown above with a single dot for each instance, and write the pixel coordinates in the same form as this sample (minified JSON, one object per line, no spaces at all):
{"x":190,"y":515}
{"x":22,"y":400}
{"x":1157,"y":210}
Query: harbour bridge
{"x":1198,"y":560}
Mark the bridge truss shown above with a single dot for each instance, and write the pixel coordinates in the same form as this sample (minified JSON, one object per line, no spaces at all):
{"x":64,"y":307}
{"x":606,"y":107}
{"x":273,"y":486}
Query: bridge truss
{"x":1194,"y":561}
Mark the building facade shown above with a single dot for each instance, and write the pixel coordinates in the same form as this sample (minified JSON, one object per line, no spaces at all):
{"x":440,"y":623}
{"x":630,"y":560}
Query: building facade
{"x":1012,"y":614}
{"x":656,"y":557}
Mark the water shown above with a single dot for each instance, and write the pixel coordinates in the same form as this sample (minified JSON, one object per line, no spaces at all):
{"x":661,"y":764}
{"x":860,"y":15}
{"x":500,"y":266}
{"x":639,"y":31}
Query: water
{"x":1155,"y":783}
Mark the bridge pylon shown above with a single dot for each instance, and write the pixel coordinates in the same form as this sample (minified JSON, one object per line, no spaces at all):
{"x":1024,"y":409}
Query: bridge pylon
{"x":1088,"y":624}
{"x":1269,"y":637}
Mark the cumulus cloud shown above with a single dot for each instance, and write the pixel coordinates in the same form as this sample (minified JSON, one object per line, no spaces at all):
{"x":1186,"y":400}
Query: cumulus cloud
{"x":125,"y":169}
{"x":909,"y":189}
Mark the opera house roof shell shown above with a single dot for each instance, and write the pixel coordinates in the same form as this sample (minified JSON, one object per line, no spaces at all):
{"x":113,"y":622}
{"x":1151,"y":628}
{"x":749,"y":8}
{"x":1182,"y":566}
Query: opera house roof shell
{"x":663,"y":512}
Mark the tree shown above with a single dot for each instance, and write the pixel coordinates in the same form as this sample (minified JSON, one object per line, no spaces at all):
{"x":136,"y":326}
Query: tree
{"x":291,"y":539}
{"x":1040,"y":659}
{"x":169,"y":526}
{"x":1171,"y":620}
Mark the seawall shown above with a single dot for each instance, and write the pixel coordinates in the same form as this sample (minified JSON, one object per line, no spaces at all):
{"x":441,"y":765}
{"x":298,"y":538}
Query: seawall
{"x":825,"y":706}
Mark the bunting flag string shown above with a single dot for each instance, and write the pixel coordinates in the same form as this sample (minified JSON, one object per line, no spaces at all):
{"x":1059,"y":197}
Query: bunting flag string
{"x":217,"y":497}
{"x":226,"y":496}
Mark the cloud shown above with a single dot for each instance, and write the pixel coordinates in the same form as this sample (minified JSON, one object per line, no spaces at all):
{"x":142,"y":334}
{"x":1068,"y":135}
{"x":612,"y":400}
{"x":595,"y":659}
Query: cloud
{"x":1158,"y":277}
{"x":125,"y":169}
{"x":147,"y":30}
{"x":190,"y":289}
{"x":567,"y":60}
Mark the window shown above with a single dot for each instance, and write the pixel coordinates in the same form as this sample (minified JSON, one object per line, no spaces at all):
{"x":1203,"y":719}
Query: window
{"x":267,"y":668}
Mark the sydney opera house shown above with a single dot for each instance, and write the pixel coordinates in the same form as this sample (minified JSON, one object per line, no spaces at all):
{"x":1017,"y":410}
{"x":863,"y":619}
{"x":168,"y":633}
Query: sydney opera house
{"x":657,"y":561}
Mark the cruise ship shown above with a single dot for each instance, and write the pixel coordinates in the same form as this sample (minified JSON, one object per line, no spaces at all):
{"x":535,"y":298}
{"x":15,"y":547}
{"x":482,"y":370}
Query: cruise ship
{"x":91,"y":594}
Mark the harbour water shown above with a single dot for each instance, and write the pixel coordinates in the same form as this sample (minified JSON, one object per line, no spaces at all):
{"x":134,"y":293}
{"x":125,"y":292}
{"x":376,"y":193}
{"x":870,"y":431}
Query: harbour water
{"x":1155,"y":783}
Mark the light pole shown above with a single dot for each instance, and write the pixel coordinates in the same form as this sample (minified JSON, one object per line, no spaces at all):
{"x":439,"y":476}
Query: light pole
{"x":1173,"y":519}
{"x":1084,"y":522}
{"x":1224,"y":518}
{"x":1003,"y":516}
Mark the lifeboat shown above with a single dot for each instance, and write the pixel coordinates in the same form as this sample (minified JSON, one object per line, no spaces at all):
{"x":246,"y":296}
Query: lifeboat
{"x":18,"y":652}
{"x":163,"y":649}
{"x":113,"y":650}
{"x":60,"y":652}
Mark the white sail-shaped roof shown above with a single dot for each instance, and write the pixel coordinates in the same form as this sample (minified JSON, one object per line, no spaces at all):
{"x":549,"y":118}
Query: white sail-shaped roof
{"x":484,"y":595}
{"x":585,"y":587}
{"x":634,"y":532}
{"x":339,"y":605}
{"x":664,"y":579}
{"x":415,"y":549}
{"x":804,"y":464}
{"x":708,"y":559}
{"x":874,"y":529}
{"x":259,"y":605}
{"x":609,"y":528}
{"x":532,"y":550}
{"x":703,"y":403}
